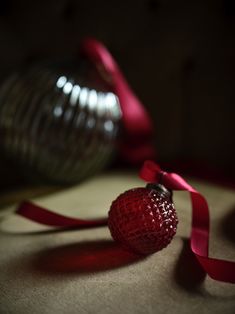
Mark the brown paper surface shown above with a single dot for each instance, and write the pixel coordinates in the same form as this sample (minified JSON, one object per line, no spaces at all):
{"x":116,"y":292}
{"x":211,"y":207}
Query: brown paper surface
{"x":84,"y":271}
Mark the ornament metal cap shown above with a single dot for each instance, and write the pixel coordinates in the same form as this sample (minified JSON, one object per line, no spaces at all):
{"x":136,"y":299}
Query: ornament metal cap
{"x":160,"y":188}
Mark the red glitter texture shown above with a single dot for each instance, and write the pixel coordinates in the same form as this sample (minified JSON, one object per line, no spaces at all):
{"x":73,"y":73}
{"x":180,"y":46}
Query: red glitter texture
{"x":143,"y":220}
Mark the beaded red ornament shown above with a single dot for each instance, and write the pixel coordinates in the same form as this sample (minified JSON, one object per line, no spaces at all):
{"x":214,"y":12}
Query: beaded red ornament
{"x":143,"y":219}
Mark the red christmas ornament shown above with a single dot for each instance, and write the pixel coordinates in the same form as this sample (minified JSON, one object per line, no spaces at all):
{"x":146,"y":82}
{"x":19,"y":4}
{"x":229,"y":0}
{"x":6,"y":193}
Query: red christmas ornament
{"x":143,"y":219}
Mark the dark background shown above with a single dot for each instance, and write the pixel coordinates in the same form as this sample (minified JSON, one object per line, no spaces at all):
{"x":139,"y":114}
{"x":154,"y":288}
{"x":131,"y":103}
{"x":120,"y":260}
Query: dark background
{"x":177,"y":55}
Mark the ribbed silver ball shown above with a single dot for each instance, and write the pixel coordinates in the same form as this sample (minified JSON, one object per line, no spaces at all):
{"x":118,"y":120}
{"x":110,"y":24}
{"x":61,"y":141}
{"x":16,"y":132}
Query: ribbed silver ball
{"x":56,"y":124}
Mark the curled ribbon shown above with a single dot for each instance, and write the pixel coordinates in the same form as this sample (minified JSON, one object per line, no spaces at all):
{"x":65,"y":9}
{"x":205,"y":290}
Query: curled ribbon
{"x":217,"y":269}
{"x":137,"y":144}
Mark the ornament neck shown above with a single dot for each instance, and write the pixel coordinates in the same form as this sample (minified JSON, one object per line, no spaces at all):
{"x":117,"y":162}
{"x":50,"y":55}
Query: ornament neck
{"x":160,"y":189}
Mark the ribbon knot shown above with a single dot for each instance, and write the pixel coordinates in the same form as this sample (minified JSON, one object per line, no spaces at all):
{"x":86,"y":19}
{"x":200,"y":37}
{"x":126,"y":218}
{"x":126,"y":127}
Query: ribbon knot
{"x":151,"y":172}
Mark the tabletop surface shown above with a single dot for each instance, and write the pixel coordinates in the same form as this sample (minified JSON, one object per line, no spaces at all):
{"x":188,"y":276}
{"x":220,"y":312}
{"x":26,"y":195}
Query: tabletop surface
{"x":84,"y":271}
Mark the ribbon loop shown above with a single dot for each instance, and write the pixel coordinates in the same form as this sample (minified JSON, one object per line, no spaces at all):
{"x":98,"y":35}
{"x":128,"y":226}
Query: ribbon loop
{"x":137,"y":144}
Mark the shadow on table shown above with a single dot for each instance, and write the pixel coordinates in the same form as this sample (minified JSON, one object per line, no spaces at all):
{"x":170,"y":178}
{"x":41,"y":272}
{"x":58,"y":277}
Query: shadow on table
{"x":85,"y":257}
{"x":188,"y":272}
{"x":190,"y":276}
{"x":228,"y":225}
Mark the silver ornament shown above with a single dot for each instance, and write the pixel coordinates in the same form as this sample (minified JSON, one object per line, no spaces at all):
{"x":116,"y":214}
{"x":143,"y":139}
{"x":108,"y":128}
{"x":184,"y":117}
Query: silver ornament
{"x":57,"y":122}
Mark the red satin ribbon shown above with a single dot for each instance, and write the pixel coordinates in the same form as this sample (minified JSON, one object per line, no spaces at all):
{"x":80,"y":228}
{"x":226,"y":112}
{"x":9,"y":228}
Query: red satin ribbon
{"x":137,"y":143}
{"x":46,"y":217}
{"x":217,"y":269}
